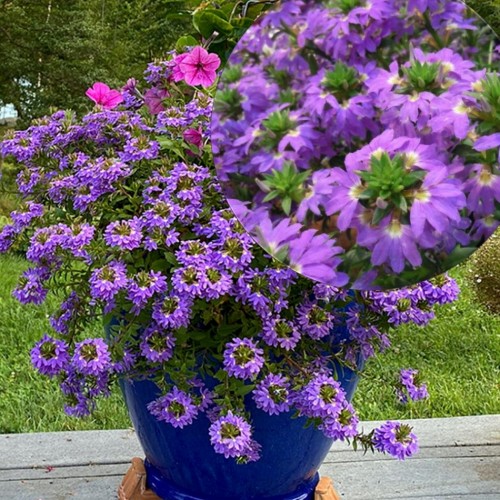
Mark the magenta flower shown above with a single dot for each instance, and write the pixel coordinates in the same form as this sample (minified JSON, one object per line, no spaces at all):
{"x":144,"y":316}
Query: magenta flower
{"x":199,"y":67}
{"x":177,"y":73}
{"x":154,"y":99}
{"x":193,"y":136}
{"x":101,"y":94}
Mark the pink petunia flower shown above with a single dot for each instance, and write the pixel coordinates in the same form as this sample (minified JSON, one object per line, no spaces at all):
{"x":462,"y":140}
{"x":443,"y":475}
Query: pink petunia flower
{"x":199,"y":67}
{"x":177,"y":73}
{"x":101,"y":94}
{"x":153,"y":99}
{"x":193,"y":136}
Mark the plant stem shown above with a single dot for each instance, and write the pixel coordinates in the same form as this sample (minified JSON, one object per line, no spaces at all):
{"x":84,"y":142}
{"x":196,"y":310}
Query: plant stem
{"x":433,"y":32}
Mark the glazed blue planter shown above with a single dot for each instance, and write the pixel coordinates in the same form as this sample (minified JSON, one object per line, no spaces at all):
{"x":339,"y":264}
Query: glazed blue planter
{"x":182,"y":465}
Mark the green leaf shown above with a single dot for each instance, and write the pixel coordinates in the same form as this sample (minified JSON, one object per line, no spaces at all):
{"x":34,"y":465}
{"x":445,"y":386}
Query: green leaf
{"x":244,"y":389}
{"x":379,"y":214}
{"x":286,"y":205}
{"x":271,"y":196}
{"x":185,"y":41}
{"x":207,"y":21}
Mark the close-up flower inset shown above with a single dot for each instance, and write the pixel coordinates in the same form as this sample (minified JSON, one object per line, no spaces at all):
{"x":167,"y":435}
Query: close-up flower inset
{"x":358,"y":141}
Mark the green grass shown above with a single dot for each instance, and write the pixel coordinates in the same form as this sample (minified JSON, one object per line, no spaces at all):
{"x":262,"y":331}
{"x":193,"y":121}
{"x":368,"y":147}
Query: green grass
{"x":458,"y":354}
{"x":28,"y":401}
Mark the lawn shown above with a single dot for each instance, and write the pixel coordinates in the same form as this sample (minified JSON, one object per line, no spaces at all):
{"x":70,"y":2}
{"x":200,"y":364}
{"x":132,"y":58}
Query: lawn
{"x":458,"y":354}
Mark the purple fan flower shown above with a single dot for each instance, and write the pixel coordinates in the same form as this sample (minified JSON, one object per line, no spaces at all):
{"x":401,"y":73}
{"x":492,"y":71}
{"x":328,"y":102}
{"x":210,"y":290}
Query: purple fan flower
{"x":411,"y":387}
{"x":107,"y":281}
{"x":30,"y":289}
{"x":396,"y":439}
{"x":143,"y":287}
{"x":322,"y":397}
{"x":156,"y":344}
{"x":50,"y":356}
{"x":173,"y":311}
{"x":487,"y":142}
{"x":314,"y":320}
{"x":280,"y":333}
{"x":313,"y":255}
{"x":342,"y":426}
{"x":125,"y":234}
{"x":243,"y":358}
{"x":272,"y":394}
{"x":392,"y":243}
{"x":437,"y":203}
{"x":91,"y":357}
{"x":176,"y":408}
{"x":230,"y":435}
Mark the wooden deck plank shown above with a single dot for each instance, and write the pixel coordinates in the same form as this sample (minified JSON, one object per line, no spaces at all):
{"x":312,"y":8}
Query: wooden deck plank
{"x":459,"y":459}
{"x":117,"y":446}
{"x":415,"y":479}
{"x":97,"y":488}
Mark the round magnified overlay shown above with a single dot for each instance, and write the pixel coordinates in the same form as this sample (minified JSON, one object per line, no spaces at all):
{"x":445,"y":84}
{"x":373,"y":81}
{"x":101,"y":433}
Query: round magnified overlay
{"x":358,"y":140}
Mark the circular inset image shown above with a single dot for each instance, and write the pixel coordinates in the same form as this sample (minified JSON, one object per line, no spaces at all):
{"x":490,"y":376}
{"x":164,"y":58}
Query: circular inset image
{"x":358,"y":140}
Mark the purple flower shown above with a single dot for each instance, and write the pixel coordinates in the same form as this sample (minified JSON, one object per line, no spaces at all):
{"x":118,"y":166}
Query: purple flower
{"x":342,"y":426}
{"x":154,"y":98}
{"x":173,"y":311}
{"x":392,"y":243}
{"x":50,"y":356}
{"x":243,"y":358}
{"x":125,"y":234}
{"x":280,"y":333}
{"x":483,"y":190}
{"x":107,"y":281}
{"x":176,"y":408}
{"x":437,"y":203}
{"x":314,"y":320}
{"x":272,"y":394}
{"x":313,"y":255}
{"x":230,"y":435}
{"x":143,"y":287}
{"x":321,"y":397}
{"x":487,"y":142}
{"x":30,"y":289}
{"x":61,"y":321}
{"x":410,"y":386}
{"x":157,"y":344}
{"x":396,"y":439}
{"x":140,"y":148}
{"x":91,"y":357}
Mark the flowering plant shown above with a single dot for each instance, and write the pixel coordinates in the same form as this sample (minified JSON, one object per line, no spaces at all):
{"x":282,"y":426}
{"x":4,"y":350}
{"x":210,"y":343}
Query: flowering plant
{"x":124,"y":219}
{"x":366,"y":132}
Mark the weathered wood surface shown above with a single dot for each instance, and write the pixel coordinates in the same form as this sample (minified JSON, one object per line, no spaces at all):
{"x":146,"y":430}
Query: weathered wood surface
{"x":459,"y":459}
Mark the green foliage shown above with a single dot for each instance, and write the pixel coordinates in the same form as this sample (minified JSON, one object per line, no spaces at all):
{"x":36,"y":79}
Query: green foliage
{"x":489,"y":10}
{"x":52,"y":51}
{"x":221,"y":24}
{"x":287,"y":184}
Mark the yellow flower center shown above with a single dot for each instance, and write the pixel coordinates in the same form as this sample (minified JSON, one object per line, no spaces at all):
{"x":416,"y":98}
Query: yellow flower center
{"x":486,"y":177}
{"x":394,"y":229}
{"x":461,"y":109}
{"x":422,"y":195}
{"x":378,"y":153}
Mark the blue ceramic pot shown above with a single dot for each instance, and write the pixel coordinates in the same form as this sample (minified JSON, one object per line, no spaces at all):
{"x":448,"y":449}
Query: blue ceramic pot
{"x":182,"y":465}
